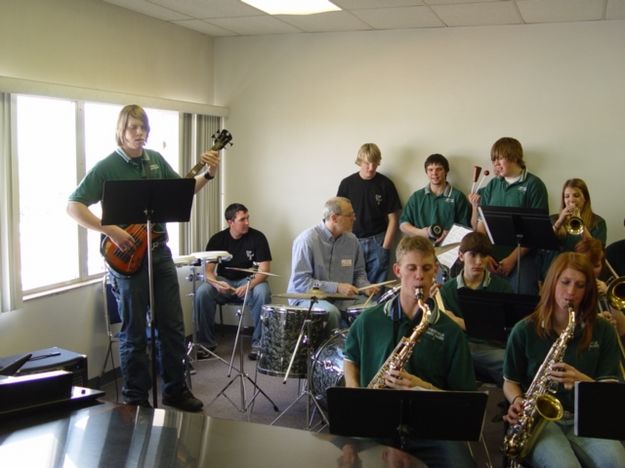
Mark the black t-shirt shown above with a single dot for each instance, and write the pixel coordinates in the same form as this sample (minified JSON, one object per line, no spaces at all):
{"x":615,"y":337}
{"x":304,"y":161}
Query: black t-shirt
{"x":251,"y":247}
{"x":373,"y":200}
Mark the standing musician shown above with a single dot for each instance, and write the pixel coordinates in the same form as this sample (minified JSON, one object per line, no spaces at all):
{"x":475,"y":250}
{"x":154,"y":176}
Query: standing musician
{"x":376,"y":204}
{"x":248,"y":247}
{"x":512,"y":186}
{"x":440,"y":360}
{"x":431,"y":211}
{"x":590,"y":355}
{"x":328,"y":257}
{"x":131,"y":161}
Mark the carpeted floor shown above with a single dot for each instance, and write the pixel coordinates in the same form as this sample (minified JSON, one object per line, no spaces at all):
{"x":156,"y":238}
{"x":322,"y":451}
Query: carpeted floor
{"x":235,"y":396}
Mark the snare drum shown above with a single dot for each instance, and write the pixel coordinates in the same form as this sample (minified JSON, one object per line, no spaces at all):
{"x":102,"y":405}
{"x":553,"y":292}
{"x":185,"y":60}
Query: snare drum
{"x":281,"y":326}
{"x":327,"y":367}
{"x":354,"y":311}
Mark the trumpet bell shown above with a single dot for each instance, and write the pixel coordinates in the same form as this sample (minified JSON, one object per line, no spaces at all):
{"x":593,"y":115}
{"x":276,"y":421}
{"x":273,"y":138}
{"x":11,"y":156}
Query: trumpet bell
{"x":616,"y":293}
{"x":574,"y":226}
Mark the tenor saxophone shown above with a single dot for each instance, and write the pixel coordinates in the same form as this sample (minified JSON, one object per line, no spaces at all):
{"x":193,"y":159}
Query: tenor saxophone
{"x":402,"y":352}
{"x":540,"y":405}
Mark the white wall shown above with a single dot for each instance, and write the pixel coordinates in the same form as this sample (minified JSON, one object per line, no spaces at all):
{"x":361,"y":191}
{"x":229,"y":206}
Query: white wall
{"x":301,"y":105}
{"x":90,"y":48}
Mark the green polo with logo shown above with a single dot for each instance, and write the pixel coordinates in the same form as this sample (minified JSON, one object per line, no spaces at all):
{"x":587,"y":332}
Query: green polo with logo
{"x":425,"y":208}
{"x":526,"y":352}
{"x":441,"y":356}
{"x":119,"y":166}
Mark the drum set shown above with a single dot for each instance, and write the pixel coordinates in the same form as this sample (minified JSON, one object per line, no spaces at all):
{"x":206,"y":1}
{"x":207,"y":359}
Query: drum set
{"x":293,"y":346}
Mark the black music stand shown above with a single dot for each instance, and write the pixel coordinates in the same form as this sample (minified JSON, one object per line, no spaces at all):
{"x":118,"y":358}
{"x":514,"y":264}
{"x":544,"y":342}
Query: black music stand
{"x":599,"y":410}
{"x":490,"y":315}
{"x":148,"y":201}
{"x":519,"y":227}
{"x":402,"y":414}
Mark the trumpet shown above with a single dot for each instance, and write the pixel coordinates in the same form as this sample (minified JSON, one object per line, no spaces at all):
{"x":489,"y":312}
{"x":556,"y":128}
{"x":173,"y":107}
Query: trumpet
{"x":615,"y":293}
{"x":574,"y":224}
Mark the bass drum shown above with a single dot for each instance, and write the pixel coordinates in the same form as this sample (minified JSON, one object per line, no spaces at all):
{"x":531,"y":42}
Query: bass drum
{"x":327,"y":367}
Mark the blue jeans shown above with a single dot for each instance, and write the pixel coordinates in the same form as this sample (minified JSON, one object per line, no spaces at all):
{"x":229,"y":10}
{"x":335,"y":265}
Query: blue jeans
{"x":530,"y":273}
{"x":440,"y":453}
{"x":557,"y":446}
{"x":132,"y":294}
{"x":205,"y":306}
{"x":488,"y":361}
{"x":376,"y":257}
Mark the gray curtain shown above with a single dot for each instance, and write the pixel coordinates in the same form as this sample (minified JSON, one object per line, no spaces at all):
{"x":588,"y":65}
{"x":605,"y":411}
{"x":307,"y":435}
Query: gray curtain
{"x":196,"y":134}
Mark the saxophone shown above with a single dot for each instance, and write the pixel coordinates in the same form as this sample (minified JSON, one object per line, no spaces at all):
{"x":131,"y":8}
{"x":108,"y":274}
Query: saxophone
{"x":402,"y":352}
{"x":540,"y":405}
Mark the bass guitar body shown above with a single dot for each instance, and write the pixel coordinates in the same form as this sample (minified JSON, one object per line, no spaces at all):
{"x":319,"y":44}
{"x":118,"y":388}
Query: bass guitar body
{"x":129,"y":261}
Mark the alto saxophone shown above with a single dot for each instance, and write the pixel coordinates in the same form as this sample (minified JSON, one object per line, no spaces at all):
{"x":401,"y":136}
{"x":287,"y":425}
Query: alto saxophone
{"x":402,"y":352}
{"x":540,"y":405}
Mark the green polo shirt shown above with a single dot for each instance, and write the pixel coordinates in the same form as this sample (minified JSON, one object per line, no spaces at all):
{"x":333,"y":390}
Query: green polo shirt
{"x":526,"y":352}
{"x":424,"y":208}
{"x":441,"y":356}
{"x":118,"y":166}
{"x":449,"y":291}
{"x":527,"y":192}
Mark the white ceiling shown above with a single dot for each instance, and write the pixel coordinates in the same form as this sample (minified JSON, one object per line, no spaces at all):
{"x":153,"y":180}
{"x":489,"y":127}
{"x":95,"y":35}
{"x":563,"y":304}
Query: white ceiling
{"x":234,"y":18}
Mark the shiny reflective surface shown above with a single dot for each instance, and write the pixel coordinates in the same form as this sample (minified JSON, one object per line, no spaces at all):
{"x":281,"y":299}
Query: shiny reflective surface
{"x":109,"y":435}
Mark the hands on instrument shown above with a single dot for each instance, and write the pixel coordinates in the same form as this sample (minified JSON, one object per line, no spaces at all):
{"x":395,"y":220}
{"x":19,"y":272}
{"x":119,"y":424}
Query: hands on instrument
{"x":567,"y":375}
{"x":514,"y":410}
{"x":346,"y":289}
{"x":121,"y":238}
{"x":211,"y":159}
{"x":402,"y":380}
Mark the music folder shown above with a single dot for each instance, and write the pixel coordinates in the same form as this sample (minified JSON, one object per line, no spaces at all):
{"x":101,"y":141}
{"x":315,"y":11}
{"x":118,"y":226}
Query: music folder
{"x":490,"y":315}
{"x":599,"y":410}
{"x":364,"y":412}
{"x":132,"y":201}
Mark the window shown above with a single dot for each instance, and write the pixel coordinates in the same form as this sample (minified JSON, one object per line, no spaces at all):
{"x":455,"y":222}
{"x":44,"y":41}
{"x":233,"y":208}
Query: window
{"x":58,"y":141}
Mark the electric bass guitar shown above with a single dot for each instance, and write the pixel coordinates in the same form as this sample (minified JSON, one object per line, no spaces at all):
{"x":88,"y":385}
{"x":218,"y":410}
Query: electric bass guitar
{"x":129,"y":261}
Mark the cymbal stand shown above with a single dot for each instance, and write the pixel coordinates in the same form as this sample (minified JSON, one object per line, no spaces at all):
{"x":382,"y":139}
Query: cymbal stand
{"x":245,"y":405}
{"x":193,"y":345}
{"x":305,"y":338}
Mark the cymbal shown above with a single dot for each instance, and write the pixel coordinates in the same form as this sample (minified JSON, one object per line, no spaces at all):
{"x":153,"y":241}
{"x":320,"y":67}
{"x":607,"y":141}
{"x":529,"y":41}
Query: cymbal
{"x":445,"y":248}
{"x":315,"y":294}
{"x":212,"y":255}
{"x":383,"y":283}
{"x":251,"y":270}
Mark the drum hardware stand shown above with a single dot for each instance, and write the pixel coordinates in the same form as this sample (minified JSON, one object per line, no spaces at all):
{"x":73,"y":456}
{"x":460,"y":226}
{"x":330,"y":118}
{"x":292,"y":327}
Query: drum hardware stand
{"x":305,"y":337}
{"x":245,"y":406}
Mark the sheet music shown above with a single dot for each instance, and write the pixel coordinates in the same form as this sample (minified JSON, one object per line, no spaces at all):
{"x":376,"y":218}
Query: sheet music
{"x":455,"y":234}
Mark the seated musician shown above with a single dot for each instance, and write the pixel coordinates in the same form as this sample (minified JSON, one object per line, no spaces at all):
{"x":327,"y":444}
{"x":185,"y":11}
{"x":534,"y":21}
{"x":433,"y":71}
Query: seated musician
{"x":593,"y":250}
{"x":328,"y":257}
{"x":440,"y":359}
{"x":249,"y":248}
{"x":589,"y":354}
{"x":474,"y":250}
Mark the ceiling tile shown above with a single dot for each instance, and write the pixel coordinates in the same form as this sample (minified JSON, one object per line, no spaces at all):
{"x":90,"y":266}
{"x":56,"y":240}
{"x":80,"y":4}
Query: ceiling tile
{"x":400,"y":18}
{"x":209,"y":8}
{"x":255,"y":25}
{"x":204,"y":27}
{"x":547,"y":11}
{"x":358,"y":4}
{"x":478,"y":14}
{"x":149,"y":9}
{"x":325,"y":22}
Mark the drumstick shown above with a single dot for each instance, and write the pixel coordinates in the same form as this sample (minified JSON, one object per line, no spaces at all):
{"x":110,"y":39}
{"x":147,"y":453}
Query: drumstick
{"x":476,"y":174}
{"x":482,"y":180}
{"x":368,"y":299}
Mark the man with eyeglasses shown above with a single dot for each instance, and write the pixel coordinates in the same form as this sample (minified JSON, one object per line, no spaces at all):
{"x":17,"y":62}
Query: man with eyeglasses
{"x":328,"y":257}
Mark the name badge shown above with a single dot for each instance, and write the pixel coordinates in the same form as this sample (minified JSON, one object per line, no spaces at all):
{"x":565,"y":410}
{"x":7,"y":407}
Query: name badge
{"x":346,"y":262}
